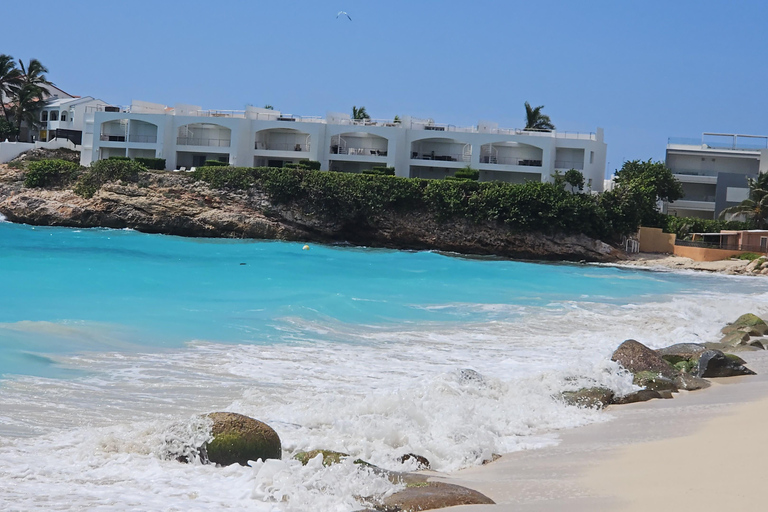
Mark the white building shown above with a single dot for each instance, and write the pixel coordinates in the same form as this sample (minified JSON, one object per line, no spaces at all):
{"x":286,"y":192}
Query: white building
{"x":713,"y":171}
{"x":65,"y":117}
{"x":186,"y":136}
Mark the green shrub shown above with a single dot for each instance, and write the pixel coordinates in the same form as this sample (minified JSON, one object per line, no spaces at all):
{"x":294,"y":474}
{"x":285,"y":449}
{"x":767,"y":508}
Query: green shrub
{"x":380,"y":171}
{"x":225,"y":177}
{"x":157,"y":164}
{"x":105,"y":171}
{"x":124,"y":158}
{"x":684,"y":226}
{"x":216,"y":163}
{"x":467,"y":173}
{"x":749,"y":256}
{"x":47,"y":173}
{"x":312,"y":165}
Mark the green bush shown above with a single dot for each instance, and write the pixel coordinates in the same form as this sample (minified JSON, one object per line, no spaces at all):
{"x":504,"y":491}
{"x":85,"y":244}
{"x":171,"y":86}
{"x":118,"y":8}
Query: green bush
{"x":467,"y":173}
{"x":684,"y":226}
{"x":105,"y":171}
{"x":225,"y":177}
{"x":46,"y":173}
{"x":216,"y":163}
{"x":749,"y":256}
{"x":124,"y":158}
{"x":380,"y":171}
{"x":157,"y":164}
{"x":312,"y":165}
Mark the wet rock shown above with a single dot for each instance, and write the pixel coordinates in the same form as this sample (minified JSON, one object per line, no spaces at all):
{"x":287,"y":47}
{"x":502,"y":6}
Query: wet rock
{"x":654,"y":381}
{"x":238,"y":439}
{"x":681,"y":352}
{"x":691,"y":382}
{"x":735,"y":338}
{"x":423,"y":462}
{"x":749,"y":323}
{"x":467,"y":375}
{"x":638,"y":396}
{"x":593,"y":398}
{"x":494,"y":458}
{"x":737,"y":348}
{"x":432,"y":495}
{"x":329,"y":457}
{"x":759,"y":343}
{"x":636,"y":357}
{"x":714,"y":363}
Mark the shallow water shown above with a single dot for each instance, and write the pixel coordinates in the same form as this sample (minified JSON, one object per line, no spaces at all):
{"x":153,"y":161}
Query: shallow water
{"x":111,"y":342}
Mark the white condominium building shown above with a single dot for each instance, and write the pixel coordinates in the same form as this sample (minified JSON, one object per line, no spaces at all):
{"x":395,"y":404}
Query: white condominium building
{"x":713,"y":171}
{"x":186,"y":136}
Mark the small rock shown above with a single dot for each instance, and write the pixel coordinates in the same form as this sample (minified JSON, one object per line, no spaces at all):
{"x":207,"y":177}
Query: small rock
{"x":681,"y":352}
{"x":729,"y":348}
{"x":654,"y":381}
{"x":638,"y":396}
{"x":714,"y":363}
{"x":329,"y":457}
{"x":689,"y":382}
{"x":735,"y":338}
{"x":238,"y":439}
{"x":593,"y":398}
{"x":423,"y":462}
{"x":432,"y":495}
{"x":494,"y":458}
{"x":636,"y":357}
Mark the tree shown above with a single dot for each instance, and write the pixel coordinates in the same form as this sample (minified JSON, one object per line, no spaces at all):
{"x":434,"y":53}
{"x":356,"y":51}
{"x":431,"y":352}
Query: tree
{"x":639,"y":187}
{"x":535,"y":120}
{"x":10,"y":77}
{"x":29,"y":93}
{"x":359,"y":113}
{"x":269,"y":107}
{"x":755,"y":208}
{"x":575,"y":179}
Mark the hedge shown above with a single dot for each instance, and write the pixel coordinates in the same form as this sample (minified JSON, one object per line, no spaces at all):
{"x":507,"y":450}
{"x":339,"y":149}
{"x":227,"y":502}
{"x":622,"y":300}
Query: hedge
{"x":157,"y":164}
{"x":104,"y":171}
{"x":683,"y":226}
{"x":47,"y":173}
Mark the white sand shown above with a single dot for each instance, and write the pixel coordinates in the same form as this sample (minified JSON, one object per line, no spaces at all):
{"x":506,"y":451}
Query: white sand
{"x":651,"y":260}
{"x":702,"y":451}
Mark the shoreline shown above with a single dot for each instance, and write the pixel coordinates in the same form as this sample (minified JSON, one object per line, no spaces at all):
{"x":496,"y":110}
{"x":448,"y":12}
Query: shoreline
{"x":658,"y":454}
{"x":659,"y":261}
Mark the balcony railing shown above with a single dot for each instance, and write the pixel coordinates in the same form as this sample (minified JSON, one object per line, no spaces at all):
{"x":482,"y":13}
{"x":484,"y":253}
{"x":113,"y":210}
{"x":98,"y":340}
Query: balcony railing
{"x":451,"y":157}
{"x":112,"y":138}
{"x":509,"y":160}
{"x":724,"y":246}
{"x":201,"y":141}
{"x":358,"y":151}
{"x":569,"y":164}
{"x":150,"y":139}
{"x":281,"y":146}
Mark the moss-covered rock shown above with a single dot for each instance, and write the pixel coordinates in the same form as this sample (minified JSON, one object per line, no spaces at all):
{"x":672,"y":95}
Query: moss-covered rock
{"x":690,"y":382}
{"x":714,"y":363}
{"x":749,"y":323}
{"x":329,"y":457}
{"x":638,"y":396}
{"x":735,"y":338}
{"x":238,"y":439}
{"x":636,"y":357}
{"x":681,"y":352}
{"x":593,"y":398}
{"x":654,"y":381}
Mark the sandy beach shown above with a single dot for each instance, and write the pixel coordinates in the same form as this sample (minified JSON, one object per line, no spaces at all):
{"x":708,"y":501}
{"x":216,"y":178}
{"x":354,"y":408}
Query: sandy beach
{"x":699,"y":451}
{"x":670,"y":261}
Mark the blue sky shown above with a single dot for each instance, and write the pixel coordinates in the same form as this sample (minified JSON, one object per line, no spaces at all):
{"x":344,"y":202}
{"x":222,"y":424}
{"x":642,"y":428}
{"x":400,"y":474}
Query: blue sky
{"x":642,"y":70}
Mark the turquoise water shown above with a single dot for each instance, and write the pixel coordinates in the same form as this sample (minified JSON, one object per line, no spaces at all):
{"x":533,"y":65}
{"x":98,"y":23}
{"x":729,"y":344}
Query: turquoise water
{"x":136,"y":290}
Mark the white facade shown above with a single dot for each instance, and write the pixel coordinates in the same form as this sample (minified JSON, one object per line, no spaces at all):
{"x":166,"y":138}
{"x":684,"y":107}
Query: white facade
{"x":713,"y":171}
{"x":186,"y":136}
{"x":65,"y":114}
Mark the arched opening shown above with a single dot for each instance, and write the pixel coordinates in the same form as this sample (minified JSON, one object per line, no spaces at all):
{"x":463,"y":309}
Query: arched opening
{"x":114,"y":131}
{"x":64,"y":116}
{"x":54,"y":115}
{"x":204,"y":134}
{"x":442,"y":150}
{"x":142,"y":132}
{"x":282,"y":139}
{"x":511,"y":153}
{"x":359,"y":143}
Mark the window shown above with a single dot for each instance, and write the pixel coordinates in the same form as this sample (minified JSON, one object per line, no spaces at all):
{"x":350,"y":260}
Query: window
{"x":54,"y":115}
{"x":591,"y":157}
{"x":63,"y":116}
{"x":44,"y":116}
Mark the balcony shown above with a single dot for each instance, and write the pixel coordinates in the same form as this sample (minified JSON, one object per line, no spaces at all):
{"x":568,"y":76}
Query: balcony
{"x":201,"y":141}
{"x":363,"y":151}
{"x":449,"y":157}
{"x":281,"y":146}
{"x":143,"y":139}
{"x":570,"y":164}
{"x":509,"y":160}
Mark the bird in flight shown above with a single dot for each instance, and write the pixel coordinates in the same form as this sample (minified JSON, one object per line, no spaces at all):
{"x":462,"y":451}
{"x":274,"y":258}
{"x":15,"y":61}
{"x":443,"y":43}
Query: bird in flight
{"x":345,"y":14}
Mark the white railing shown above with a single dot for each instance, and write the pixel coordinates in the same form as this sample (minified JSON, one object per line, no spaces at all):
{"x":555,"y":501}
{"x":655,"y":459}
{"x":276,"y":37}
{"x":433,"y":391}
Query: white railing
{"x":358,"y":151}
{"x":219,"y":113}
{"x":450,"y":157}
{"x":510,"y":160}
{"x":569,"y":164}
{"x":288,"y":146}
{"x":112,"y":137}
{"x":198,"y":141}
{"x":150,"y":139}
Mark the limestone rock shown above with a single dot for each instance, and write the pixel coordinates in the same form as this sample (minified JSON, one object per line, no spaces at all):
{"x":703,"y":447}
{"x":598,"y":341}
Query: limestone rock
{"x":593,"y":398}
{"x":636,"y":357}
{"x":714,"y":363}
{"x":735,"y":338}
{"x":433,"y":495}
{"x":690,"y":382}
{"x":238,"y":439}
{"x":654,"y":381}
{"x":423,"y":462}
{"x":729,"y":348}
{"x":329,"y":457}
{"x":750,"y":323}
{"x":681,"y":352}
{"x":638,"y":396}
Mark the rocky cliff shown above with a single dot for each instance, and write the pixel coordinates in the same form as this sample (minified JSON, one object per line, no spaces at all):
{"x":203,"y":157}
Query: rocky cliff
{"x":174,"y":204}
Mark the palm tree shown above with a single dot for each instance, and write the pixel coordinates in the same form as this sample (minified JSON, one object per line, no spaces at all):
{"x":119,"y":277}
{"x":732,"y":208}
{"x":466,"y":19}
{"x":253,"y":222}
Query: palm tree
{"x":755,"y":208}
{"x":535,"y":120}
{"x":359,"y":113}
{"x":30,"y":92}
{"x":10,"y":77}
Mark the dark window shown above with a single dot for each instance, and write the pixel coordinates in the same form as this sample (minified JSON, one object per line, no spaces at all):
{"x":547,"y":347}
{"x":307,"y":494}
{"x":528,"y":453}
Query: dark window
{"x":44,"y":116}
{"x":63,"y":116}
{"x":54,"y":115}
